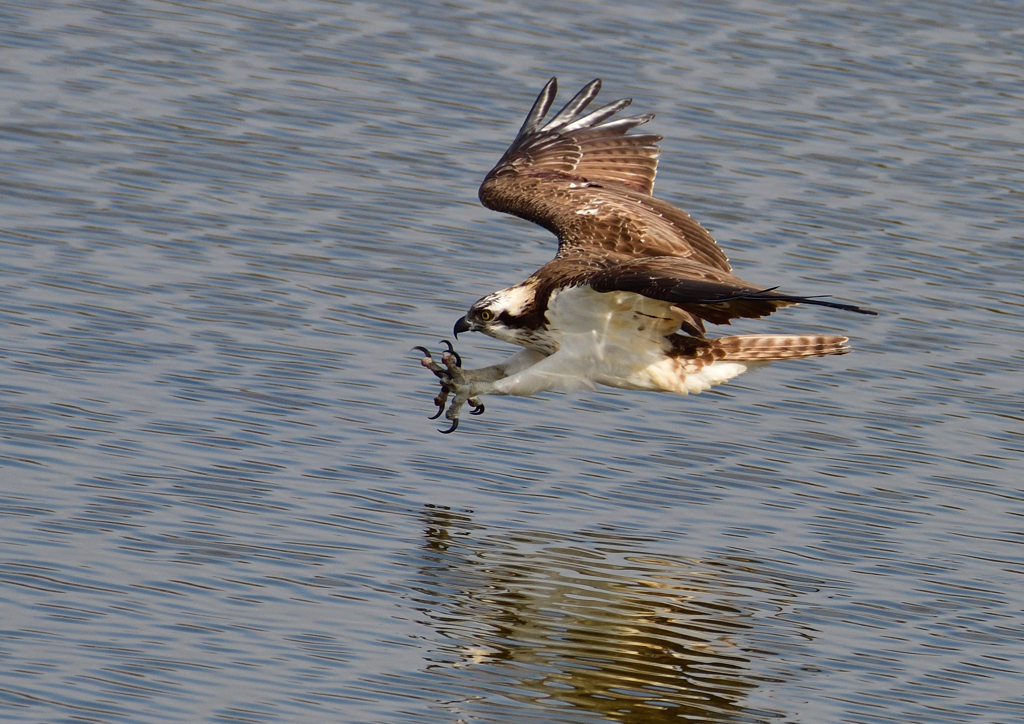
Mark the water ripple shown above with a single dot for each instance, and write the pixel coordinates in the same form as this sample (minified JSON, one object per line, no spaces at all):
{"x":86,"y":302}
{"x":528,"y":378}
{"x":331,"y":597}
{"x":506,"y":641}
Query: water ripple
{"x":222,"y":500}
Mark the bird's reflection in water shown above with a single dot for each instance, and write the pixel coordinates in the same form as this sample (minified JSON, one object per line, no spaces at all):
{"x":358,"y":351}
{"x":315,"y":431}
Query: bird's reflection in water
{"x":580,"y":627}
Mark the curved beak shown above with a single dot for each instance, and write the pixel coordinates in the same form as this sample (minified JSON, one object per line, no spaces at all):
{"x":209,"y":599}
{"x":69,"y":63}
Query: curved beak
{"x":461,"y":326}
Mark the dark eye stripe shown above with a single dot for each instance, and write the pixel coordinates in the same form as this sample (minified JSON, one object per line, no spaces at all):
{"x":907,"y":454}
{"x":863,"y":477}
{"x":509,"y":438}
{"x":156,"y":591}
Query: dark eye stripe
{"x":509,"y":321}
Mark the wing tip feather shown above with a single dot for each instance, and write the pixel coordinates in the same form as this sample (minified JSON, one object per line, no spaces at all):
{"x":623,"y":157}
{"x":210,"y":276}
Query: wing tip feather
{"x":569,"y":120}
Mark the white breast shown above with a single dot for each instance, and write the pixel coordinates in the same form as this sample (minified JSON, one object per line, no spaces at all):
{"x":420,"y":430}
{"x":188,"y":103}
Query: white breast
{"x":617,"y":314}
{"x":610,"y":338}
{"x":616,"y":339}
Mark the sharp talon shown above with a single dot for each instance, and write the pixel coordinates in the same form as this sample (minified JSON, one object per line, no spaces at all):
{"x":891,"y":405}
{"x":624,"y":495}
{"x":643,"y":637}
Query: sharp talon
{"x":477,"y":409}
{"x":452,"y":352}
{"x":448,"y":371}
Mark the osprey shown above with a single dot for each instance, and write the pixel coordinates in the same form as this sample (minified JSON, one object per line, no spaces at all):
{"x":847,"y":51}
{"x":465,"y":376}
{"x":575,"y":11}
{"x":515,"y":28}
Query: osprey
{"x":625,"y":300}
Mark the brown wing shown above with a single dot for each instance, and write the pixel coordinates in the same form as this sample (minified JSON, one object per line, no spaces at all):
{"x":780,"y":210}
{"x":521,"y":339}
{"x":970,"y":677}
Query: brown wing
{"x":710,"y":294}
{"x":585,"y":180}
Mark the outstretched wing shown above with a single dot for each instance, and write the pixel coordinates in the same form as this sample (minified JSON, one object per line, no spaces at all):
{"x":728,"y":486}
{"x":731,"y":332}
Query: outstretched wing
{"x":709,"y":294}
{"x":585,"y":180}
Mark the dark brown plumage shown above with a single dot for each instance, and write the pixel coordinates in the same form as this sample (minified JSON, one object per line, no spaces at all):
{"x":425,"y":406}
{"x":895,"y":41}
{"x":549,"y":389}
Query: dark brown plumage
{"x":586,"y":181}
{"x":625,"y":300}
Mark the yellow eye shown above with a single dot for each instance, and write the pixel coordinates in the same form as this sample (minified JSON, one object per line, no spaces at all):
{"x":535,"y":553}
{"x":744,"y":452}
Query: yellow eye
{"x":487,"y":315}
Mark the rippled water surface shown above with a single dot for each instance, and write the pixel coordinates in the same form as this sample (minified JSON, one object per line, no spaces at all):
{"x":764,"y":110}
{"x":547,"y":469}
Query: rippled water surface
{"x":225,"y":225}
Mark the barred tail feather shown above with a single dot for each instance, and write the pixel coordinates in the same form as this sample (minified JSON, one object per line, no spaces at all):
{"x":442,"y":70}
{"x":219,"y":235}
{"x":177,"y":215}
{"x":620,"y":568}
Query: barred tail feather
{"x":696,"y":364}
{"x":769,"y":347}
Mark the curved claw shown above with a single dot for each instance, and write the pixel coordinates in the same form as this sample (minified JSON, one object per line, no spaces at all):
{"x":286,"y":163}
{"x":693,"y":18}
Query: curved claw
{"x":424,"y":350}
{"x":450,"y":430}
{"x":452,"y":352}
{"x":440,"y":409}
{"x":477,"y":409}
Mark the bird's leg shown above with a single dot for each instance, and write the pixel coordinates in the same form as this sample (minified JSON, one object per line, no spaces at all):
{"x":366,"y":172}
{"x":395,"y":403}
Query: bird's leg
{"x":468,"y":386}
{"x":453,"y":379}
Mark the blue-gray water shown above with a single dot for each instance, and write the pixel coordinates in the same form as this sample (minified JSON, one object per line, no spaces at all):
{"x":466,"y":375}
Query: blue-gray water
{"x":223,"y":228}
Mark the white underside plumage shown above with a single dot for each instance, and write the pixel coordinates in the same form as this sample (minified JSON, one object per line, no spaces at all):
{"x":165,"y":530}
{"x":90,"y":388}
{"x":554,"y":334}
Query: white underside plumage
{"x":616,"y":339}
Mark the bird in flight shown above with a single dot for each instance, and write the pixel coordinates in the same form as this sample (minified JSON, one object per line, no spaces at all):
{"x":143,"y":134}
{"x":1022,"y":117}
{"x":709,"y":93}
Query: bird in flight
{"x":625,"y":301}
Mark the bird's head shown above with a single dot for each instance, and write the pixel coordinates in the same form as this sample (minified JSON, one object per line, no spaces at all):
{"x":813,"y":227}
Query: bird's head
{"x":499,"y":315}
